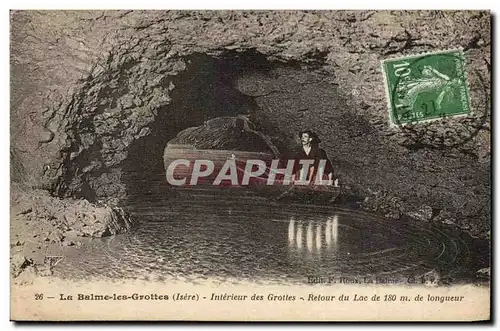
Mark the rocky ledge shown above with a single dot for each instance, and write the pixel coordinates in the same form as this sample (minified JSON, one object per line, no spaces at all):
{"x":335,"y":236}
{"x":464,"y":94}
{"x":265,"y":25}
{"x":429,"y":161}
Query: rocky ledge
{"x":39,"y":220}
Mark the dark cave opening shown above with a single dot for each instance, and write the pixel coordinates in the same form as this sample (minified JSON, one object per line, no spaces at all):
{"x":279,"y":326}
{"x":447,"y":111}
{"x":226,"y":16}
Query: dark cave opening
{"x":205,"y":90}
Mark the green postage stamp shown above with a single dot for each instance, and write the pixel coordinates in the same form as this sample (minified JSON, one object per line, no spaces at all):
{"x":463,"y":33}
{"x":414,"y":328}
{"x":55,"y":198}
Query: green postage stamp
{"x":426,"y":86}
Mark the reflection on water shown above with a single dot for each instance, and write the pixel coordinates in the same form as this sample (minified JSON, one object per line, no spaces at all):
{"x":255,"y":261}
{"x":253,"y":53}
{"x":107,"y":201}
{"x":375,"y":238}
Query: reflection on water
{"x":291,"y":231}
{"x":318,"y":237}
{"x":192,"y":239}
{"x":309,"y":237}
{"x":315,"y":235}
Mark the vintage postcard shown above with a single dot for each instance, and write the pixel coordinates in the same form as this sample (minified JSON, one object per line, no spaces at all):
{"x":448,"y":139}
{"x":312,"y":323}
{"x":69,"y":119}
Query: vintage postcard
{"x":320,"y":165}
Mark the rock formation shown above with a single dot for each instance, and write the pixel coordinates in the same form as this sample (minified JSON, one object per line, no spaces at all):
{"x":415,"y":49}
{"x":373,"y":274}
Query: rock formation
{"x":97,"y":94}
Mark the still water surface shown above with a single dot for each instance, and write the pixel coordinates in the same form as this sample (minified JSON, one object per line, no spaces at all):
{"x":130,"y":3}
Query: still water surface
{"x":198,"y":236}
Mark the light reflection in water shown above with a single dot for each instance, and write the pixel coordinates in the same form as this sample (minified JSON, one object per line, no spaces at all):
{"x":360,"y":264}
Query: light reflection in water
{"x":310,"y":236}
{"x":315,"y":236}
{"x":318,"y":237}
{"x":299,"y":236}
{"x":291,"y":231}
{"x":328,"y":232}
{"x":335,"y":229}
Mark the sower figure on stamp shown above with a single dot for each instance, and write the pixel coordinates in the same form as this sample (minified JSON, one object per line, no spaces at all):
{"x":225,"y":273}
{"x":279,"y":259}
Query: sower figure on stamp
{"x":431,"y":80}
{"x":310,"y":150}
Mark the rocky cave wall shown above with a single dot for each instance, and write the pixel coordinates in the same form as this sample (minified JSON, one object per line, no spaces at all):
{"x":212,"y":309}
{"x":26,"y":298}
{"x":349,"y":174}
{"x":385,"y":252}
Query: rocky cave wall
{"x":91,"y":88}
